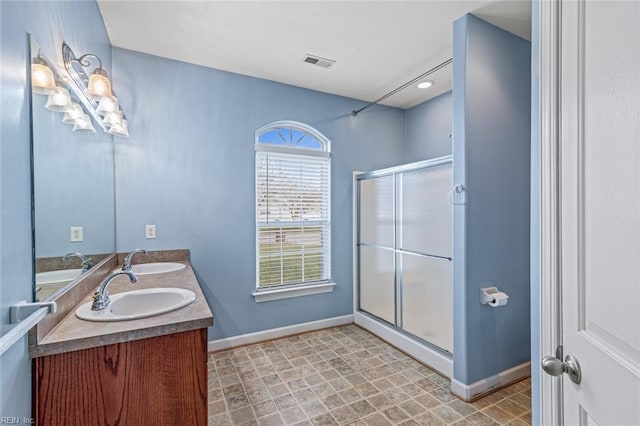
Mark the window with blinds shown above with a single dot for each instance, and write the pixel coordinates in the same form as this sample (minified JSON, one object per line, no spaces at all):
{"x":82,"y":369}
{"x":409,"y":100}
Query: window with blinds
{"x":293,"y":206}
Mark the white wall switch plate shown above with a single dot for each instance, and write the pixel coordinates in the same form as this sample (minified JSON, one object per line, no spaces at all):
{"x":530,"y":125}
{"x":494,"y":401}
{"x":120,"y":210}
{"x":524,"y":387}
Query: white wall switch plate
{"x":150,"y":231}
{"x":76,"y":234}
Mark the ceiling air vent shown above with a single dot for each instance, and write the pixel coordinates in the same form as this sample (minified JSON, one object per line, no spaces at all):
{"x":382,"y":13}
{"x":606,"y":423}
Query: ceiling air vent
{"x":318,"y":61}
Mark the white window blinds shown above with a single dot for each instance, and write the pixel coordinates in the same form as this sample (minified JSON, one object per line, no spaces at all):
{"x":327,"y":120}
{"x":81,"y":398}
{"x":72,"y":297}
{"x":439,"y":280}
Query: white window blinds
{"x":292,"y":218}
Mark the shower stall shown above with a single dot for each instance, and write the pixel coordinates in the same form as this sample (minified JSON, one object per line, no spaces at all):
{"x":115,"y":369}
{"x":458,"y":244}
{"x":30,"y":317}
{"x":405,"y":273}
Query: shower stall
{"x":404,"y":262}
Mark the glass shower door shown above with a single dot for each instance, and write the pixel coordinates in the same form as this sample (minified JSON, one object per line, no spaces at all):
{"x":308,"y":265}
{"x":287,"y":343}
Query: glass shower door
{"x":376,"y":247}
{"x":427,"y":299}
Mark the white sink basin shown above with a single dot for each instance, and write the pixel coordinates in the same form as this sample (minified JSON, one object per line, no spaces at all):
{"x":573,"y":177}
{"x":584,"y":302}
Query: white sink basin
{"x":138,"y":304}
{"x":59,"y":276}
{"x":155,"y":268}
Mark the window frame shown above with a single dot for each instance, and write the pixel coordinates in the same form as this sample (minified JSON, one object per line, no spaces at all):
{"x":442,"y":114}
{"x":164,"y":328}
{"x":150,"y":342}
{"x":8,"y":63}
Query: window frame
{"x":280,"y":291}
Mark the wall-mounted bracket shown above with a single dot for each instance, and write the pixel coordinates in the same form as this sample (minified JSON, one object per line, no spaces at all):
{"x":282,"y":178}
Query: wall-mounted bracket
{"x":23,"y":309}
{"x":459,"y":194}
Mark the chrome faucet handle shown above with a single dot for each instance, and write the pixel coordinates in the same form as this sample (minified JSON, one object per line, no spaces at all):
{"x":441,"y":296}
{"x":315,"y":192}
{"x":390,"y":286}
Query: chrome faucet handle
{"x":126,"y":264}
{"x":101,"y":298}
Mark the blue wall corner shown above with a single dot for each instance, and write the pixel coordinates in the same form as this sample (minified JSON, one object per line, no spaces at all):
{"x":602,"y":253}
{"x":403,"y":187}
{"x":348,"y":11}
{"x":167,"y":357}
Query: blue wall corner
{"x":491,"y":101}
{"x":428,"y":128}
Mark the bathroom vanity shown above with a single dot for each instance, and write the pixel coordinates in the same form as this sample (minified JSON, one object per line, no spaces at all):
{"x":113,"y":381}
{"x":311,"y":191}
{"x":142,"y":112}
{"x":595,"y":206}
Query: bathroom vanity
{"x":145,"y":371}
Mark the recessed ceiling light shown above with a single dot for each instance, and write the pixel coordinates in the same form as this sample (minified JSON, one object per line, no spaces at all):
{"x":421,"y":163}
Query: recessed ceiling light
{"x":425,"y":84}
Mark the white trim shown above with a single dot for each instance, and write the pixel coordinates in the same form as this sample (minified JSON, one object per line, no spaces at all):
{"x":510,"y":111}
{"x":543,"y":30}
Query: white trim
{"x":276,"y":333}
{"x":294,"y":291}
{"x":502,"y":379}
{"x":435,"y":359}
{"x":550,"y":320}
{"x":261,"y":147}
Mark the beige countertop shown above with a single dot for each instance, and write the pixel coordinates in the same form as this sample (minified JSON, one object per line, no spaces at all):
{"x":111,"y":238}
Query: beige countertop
{"x":72,"y":333}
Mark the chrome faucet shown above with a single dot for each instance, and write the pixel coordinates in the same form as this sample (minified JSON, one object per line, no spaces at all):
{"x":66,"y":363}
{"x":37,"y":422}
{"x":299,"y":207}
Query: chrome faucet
{"x":87,"y":262}
{"x":101,"y":298}
{"x":126,"y":264}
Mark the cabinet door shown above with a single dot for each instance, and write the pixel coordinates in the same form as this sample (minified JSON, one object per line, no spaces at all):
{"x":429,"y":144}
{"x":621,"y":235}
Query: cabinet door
{"x":377,"y":282}
{"x":376,"y":211}
{"x":427,"y":299}
{"x":425,"y":211}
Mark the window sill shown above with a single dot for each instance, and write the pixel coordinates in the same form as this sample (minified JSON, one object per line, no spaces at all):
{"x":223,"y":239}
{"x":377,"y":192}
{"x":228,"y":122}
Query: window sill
{"x":294,"y":291}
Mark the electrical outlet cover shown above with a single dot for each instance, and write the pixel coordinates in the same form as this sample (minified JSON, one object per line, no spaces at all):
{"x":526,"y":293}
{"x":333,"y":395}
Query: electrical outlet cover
{"x":76,"y":234}
{"x":150,"y":231}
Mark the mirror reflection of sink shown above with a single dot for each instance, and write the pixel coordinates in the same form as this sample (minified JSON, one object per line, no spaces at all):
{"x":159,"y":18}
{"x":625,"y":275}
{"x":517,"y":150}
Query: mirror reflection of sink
{"x":155,"y":268}
{"x":58,"y":276}
{"x":138,"y":304}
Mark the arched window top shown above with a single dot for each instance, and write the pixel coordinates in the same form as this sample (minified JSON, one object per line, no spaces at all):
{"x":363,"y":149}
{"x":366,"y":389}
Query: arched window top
{"x":291,"y":136}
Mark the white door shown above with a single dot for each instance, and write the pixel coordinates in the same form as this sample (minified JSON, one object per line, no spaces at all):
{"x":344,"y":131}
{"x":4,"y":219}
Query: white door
{"x":599,"y":210}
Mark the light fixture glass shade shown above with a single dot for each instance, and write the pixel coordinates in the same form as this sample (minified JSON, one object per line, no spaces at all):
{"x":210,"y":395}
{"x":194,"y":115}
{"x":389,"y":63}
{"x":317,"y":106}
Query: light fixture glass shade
{"x":83,"y":124}
{"x":72,"y":114}
{"x":60,"y":101}
{"x":120,"y":128}
{"x":112,"y":118}
{"x":99,"y":84}
{"x":42,"y":80}
{"x":107,"y":104}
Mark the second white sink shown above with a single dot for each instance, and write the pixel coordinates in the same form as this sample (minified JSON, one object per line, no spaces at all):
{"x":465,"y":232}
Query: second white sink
{"x":138,"y":304}
{"x":58,"y":276}
{"x":155,"y":268}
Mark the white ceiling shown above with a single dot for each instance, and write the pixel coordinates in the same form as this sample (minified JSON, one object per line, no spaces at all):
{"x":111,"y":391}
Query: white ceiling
{"x":377,"y":45}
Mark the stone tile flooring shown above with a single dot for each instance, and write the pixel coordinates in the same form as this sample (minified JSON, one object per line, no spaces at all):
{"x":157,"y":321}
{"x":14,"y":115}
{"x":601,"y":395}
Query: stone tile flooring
{"x":345,"y":376}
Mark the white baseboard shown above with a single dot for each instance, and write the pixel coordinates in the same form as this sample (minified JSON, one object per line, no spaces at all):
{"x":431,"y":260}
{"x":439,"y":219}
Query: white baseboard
{"x":433,"y":358}
{"x":488,"y":384}
{"x":276,"y":333}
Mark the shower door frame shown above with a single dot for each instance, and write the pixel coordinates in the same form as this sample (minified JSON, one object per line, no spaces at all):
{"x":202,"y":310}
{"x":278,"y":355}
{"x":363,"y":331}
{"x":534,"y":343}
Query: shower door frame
{"x":426,"y":352}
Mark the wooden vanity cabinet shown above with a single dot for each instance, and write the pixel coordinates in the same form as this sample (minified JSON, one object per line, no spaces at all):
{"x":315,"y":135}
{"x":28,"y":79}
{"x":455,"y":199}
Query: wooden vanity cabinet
{"x":153,"y":381}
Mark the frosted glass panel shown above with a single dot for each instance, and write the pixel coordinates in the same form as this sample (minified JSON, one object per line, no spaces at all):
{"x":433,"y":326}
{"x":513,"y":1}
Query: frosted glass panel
{"x":427,"y":299}
{"x":377,"y":282}
{"x":426,"y":211}
{"x":376,"y":211}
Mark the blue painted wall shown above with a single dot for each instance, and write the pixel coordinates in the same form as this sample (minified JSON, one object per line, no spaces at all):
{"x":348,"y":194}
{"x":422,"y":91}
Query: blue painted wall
{"x":535,"y":214}
{"x":491,"y":102}
{"x":427,"y":129}
{"x":188,"y":168}
{"x":80,"y":23}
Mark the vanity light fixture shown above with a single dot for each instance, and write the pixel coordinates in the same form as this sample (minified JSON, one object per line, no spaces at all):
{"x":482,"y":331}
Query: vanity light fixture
{"x":119,"y":128}
{"x":94,"y":91}
{"x":425,"y":84}
{"x":83,"y":124}
{"x":107,"y":104}
{"x":60,"y":101}
{"x":72,"y":114}
{"x":99,"y":85}
{"x":42,"y":79}
{"x":112,"y":118}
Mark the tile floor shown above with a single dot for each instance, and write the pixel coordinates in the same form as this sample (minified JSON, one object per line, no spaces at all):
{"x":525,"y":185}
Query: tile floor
{"x":344,"y":376}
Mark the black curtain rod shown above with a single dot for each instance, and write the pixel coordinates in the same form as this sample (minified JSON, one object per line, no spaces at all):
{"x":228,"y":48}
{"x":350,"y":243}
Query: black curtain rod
{"x":355,"y":112}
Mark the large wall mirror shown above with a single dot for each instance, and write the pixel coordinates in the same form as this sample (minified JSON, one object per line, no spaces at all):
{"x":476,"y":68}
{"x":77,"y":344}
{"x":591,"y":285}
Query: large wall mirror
{"x":73,"y":188}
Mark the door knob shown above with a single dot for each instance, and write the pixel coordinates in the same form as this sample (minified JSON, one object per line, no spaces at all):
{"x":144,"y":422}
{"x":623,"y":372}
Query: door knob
{"x":553,"y":366}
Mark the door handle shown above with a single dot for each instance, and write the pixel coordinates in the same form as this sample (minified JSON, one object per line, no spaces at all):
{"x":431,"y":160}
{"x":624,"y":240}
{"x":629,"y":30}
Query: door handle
{"x":553,"y":366}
